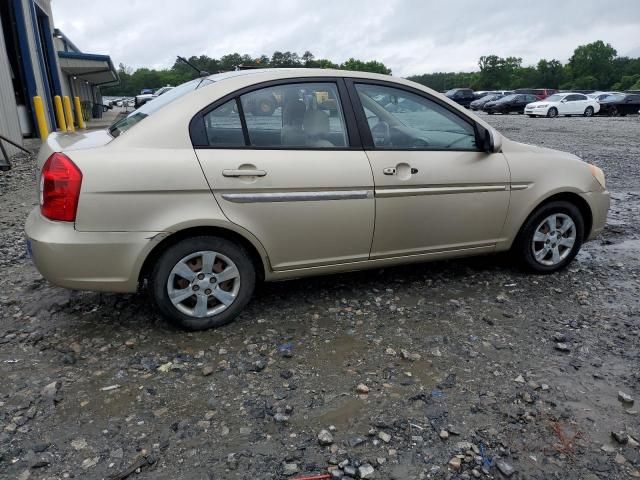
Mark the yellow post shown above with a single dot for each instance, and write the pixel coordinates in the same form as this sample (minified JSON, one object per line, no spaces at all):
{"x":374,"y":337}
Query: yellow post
{"x":57,"y":102}
{"x":42,"y":121}
{"x":68,"y":114}
{"x":76,"y":102}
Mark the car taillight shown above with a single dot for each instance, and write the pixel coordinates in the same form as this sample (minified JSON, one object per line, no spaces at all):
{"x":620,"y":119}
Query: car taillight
{"x":60,"y":183}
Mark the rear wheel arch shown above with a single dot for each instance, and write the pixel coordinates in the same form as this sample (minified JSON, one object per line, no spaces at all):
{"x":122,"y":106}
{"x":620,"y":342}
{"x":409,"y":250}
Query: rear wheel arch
{"x":260,"y":263}
{"x":570,"y":197}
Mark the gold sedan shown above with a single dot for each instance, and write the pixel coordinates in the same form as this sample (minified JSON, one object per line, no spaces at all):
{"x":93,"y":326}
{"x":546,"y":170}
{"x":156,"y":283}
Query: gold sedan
{"x":275,"y":174}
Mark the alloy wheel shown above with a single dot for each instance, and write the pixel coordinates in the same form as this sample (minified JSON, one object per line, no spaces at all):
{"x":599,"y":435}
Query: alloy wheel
{"x":203,"y":284}
{"x":554,"y":239}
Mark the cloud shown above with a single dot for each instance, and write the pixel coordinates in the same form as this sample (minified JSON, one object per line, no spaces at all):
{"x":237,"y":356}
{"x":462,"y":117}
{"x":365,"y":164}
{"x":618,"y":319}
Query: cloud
{"x":409,"y":36}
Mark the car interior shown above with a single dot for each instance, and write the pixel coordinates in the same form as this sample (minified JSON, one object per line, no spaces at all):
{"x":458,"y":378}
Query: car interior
{"x":305,"y":116}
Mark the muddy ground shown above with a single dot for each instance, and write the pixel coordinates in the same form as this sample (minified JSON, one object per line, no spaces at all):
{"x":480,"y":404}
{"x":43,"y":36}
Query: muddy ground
{"x":461,"y":361}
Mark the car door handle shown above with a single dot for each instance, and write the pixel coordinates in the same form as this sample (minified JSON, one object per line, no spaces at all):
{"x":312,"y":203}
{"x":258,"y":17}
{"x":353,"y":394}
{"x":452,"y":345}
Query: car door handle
{"x":393,"y":171}
{"x":243,"y":173}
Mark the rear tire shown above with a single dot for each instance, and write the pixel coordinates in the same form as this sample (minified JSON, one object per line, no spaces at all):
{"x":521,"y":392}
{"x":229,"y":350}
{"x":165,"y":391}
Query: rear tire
{"x":194,"y":266}
{"x":589,"y":111}
{"x":544,"y":249}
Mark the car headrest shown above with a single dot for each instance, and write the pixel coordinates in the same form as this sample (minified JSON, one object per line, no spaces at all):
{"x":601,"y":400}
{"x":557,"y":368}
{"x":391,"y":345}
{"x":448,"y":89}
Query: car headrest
{"x":315,"y":123}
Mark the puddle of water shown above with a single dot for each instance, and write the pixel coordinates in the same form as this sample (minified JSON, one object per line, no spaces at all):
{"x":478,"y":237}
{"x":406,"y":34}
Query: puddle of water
{"x":344,"y":413}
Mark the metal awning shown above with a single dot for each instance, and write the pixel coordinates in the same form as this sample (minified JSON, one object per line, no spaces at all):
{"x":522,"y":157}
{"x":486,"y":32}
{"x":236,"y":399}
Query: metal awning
{"x":95,"y":69}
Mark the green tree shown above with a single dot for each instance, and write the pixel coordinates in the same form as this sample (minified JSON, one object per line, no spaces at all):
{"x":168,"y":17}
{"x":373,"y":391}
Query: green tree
{"x":593,"y":60}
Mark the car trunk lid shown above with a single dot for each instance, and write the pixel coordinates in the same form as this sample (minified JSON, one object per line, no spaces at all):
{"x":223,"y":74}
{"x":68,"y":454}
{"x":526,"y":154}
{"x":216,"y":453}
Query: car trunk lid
{"x":66,"y":142}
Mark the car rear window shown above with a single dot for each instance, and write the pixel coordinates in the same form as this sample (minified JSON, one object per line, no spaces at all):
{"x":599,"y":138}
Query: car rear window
{"x":156,"y":104}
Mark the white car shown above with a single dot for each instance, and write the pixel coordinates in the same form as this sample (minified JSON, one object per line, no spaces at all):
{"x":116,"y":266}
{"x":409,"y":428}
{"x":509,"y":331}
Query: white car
{"x":563,"y":104}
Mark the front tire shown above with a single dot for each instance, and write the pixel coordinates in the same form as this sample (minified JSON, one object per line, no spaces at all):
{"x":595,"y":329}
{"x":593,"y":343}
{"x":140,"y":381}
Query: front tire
{"x":552,"y":112}
{"x":550,"y":238}
{"x":202,"y":282}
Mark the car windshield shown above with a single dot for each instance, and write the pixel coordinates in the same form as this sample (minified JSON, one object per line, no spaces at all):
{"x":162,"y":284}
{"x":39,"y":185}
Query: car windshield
{"x":508,"y":98}
{"x":156,"y":104}
{"x":491,"y":96}
{"x":554,"y":98}
{"x":615,"y":97}
{"x":451,"y":93}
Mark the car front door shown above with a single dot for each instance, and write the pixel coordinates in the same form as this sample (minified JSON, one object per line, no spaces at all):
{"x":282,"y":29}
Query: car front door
{"x":283,"y":164}
{"x":435,"y":190}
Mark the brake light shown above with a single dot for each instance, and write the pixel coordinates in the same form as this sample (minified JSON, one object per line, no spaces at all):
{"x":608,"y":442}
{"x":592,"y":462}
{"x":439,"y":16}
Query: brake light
{"x":60,"y":183}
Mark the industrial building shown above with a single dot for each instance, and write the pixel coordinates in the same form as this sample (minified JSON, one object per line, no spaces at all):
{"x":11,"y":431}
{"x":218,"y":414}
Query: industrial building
{"x":38,"y":59}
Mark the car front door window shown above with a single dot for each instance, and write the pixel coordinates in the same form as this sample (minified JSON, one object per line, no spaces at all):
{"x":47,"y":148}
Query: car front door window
{"x":410,"y":121}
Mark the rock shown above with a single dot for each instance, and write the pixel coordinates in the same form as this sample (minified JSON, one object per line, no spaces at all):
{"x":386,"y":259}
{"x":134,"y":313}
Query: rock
{"x":289,"y":469}
{"x":390,"y":351}
{"x":281,"y":418}
{"x":412,"y":357}
{"x":325,"y":438}
{"x":90,"y":462}
{"x":362,"y":389}
{"x":444,"y":434}
{"x":562,"y":347}
{"x":559,"y":337}
{"x":232,"y":461}
{"x":207,"y":370}
{"x":355,"y":441}
{"x":79,"y":444}
{"x":366,"y":471}
{"x":505,"y":468}
{"x":625,"y":398}
{"x":620,"y":437}
{"x":519,"y":379}
{"x":607,"y":448}
{"x":384,"y":436}
{"x":49,"y":391}
{"x":350,"y":471}
{"x":455,"y":463}
{"x":620,"y":460}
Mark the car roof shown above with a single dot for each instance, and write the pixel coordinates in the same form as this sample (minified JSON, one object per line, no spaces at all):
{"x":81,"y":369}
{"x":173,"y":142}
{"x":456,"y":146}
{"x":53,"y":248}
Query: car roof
{"x":266,"y":74}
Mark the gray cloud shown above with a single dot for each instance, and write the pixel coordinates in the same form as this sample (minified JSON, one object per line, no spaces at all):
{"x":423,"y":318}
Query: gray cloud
{"x":410,"y":36}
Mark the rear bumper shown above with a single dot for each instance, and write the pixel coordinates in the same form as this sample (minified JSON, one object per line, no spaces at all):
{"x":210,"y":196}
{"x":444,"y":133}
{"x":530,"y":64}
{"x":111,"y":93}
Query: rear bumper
{"x":99,"y":261}
{"x":599,"y":203}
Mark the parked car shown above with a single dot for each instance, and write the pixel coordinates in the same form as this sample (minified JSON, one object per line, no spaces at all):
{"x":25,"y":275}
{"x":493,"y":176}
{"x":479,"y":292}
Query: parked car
{"x":197,"y":199}
{"x":462,"y":96}
{"x":481,"y":102}
{"x":144,"y":98}
{"x":600,"y":95}
{"x":541,"y":93}
{"x":620,"y":104}
{"x":563,"y":104}
{"x":510,"y":103}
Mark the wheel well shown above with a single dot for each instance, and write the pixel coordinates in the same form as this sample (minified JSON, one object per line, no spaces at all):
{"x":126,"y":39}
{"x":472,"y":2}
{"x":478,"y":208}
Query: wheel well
{"x":174,"y":238}
{"x":576,"y":200}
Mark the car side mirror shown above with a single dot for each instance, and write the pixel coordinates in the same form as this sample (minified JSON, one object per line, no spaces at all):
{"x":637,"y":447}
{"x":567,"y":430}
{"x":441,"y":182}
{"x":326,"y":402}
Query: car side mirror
{"x":489,"y":139}
{"x":564,"y":100}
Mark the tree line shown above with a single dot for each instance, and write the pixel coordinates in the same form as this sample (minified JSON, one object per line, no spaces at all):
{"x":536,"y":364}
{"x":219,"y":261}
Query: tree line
{"x":594,"y":66}
{"x":132,"y":82}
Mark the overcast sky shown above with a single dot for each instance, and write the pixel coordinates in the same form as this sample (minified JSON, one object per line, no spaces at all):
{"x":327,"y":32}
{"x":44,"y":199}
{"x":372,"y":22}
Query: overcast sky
{"x":409,"y":36}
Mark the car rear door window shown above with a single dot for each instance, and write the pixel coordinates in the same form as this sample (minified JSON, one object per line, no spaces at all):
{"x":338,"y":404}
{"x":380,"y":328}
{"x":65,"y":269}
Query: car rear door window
{"x":224,"y":127}
{"x":402,"y":120}
{"x":300,"y":115}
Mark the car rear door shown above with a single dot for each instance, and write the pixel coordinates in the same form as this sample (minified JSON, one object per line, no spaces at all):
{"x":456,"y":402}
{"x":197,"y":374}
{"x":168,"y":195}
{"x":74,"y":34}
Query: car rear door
{"x":435,"y":190}
{"x":284,"y":162}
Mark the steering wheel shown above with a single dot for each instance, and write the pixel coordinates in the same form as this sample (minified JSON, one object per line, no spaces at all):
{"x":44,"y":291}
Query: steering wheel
{"x":381,"y":134}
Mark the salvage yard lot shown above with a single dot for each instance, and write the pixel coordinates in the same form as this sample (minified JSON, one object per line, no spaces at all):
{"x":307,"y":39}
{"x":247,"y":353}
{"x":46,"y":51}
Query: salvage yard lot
{"x":472,"y":355}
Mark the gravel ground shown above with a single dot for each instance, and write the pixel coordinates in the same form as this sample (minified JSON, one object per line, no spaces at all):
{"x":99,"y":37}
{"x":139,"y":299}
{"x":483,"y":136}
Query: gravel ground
{"x":457,"y":369}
